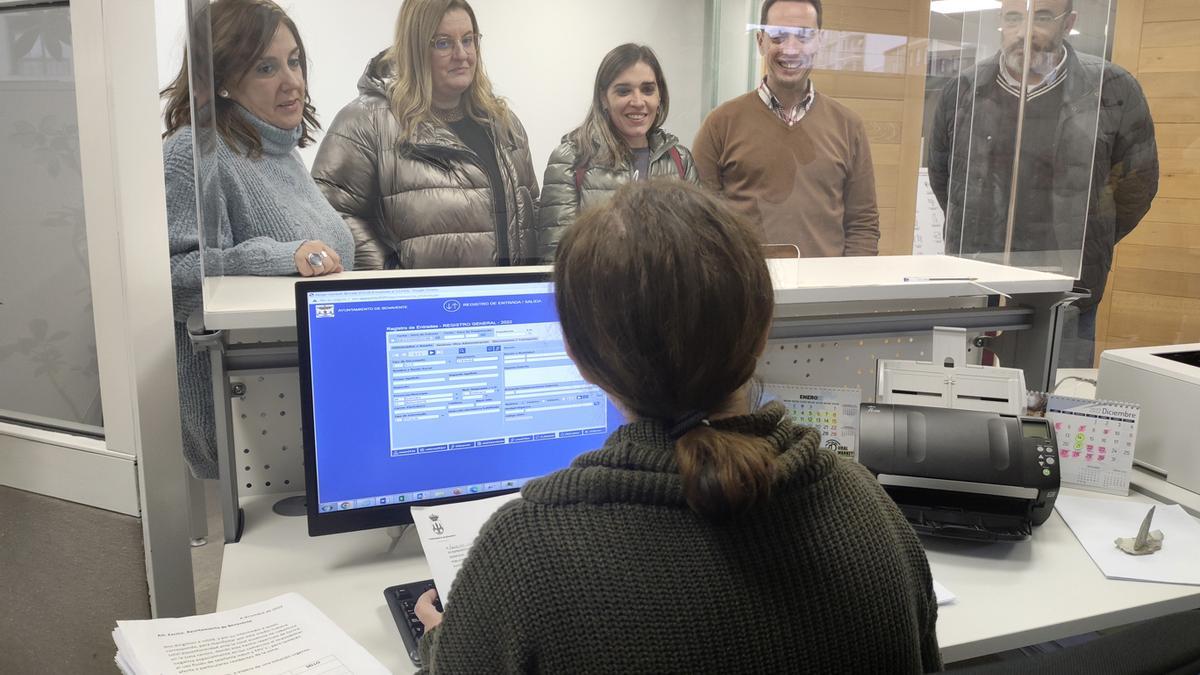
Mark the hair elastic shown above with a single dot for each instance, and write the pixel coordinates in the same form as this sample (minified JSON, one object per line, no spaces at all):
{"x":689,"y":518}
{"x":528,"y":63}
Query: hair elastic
{"x":682,"y":425}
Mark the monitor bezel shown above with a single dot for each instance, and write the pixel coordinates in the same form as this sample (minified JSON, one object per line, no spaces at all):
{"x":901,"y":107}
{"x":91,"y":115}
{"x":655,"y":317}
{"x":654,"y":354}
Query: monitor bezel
{"x":373,"y":517}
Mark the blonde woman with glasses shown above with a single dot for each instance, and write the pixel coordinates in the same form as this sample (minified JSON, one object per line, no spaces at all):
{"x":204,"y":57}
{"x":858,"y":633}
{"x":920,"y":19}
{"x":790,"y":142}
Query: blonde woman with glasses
{"x":428,"y":166}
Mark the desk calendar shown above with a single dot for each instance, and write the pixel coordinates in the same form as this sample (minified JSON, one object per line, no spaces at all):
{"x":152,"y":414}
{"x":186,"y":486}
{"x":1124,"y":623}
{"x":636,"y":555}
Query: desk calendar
{"x":833,"y":411}
{"x":1095,"y":442}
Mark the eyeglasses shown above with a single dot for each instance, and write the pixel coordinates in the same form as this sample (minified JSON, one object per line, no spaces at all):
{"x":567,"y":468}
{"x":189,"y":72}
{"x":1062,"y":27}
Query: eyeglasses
{"x":444,"y":44}
{"x":1040,"y":18}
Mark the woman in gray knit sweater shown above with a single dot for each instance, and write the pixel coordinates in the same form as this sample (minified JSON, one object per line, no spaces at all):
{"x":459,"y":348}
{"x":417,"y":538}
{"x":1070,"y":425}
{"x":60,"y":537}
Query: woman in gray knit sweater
{"x":263,"y":214}
{"x":706,"y":535}
{"x":621,"y":140}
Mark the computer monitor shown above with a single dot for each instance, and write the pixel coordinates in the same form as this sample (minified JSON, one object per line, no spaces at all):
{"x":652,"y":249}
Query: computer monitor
{"x":426,"y":389}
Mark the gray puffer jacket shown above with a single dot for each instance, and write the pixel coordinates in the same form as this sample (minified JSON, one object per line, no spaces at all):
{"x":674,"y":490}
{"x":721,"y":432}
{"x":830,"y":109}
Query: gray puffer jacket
{"x":422,"y":204}
{"x":561,"y":201}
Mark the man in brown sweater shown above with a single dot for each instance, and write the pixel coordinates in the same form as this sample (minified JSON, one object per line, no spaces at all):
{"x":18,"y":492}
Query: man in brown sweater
{"x":795,"y":161}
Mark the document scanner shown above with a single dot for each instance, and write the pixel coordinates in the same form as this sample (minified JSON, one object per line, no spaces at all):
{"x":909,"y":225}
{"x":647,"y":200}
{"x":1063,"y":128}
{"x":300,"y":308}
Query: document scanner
{"x":964,"y":474}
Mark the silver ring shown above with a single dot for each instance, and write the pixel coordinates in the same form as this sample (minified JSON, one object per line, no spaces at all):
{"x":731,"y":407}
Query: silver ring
{"x":324,"y":254}
{"x":315,"y":259}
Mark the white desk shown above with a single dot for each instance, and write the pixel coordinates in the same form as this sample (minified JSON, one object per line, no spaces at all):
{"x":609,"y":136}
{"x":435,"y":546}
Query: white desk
{"x":233,"y":303}
{"x":1009,"y":595}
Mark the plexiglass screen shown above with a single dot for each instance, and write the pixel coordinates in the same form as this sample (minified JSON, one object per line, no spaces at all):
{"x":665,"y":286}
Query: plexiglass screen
{"x":838,"y":132}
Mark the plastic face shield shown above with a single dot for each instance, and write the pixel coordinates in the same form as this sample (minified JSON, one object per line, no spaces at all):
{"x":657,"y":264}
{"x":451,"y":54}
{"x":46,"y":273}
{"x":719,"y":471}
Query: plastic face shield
{"x":783,"y":35}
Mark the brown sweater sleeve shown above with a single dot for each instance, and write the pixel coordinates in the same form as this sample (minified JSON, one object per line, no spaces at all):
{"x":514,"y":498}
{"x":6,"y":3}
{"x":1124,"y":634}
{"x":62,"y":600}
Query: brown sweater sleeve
{"x":861,"y":221}
{"x":706,"y":151}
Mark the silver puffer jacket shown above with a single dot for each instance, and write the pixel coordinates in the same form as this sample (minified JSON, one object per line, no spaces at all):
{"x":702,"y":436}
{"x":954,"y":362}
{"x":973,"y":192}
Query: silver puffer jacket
{"x":562,"y":201}
{"x":422,"y":204}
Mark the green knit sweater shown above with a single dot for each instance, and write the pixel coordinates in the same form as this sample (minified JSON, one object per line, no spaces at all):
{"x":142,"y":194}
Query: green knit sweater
{"x":602,"y":567}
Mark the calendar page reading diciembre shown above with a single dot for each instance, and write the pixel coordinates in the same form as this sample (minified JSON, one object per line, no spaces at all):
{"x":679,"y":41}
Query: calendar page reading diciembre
{"x":1095,"y":442}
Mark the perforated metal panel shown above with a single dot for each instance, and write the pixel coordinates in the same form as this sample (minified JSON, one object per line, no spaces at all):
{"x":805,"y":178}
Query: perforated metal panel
{"x":267,"y":431}
{"x":266,"y":414}
{"x":843,"y":363}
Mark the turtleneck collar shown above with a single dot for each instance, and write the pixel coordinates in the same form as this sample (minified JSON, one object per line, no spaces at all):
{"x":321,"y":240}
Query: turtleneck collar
{"x":275,"y":141}
{"x":637,"y":463}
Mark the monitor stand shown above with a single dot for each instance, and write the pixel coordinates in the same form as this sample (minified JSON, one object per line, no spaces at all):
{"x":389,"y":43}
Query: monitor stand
{"x":291,"y":506}
{"x":396,"y":533}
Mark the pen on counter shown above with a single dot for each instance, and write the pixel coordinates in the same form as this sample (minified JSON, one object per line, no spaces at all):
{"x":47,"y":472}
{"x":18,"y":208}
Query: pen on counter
{"x":970,"y":280}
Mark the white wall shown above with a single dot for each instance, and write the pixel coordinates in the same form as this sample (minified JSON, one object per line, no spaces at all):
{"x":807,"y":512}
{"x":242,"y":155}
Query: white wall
{"x":541,"y":55}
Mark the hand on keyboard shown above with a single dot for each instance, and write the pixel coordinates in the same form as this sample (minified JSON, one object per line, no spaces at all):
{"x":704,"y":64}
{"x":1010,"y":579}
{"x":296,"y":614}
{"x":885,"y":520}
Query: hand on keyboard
{"x":403,"y":600}
{"x":428,"y":609}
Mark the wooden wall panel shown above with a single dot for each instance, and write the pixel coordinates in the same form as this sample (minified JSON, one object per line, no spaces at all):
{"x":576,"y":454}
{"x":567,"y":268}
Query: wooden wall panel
{"x":1177,"y":135}
{"x":1145,"y":318}
{"x":1169,"y":59}
{"x":1153,"y":292}
{"x":1174,"y":110}
{"x":841,"y":85}
{"x":1166,"y":85}
{"x":865,"y":19}
{"x":1172,"y":34}
{"x":1158,"y":257}
{"x":1174,"y":211}
{"x":1179,"y":186}
{"x":1171,"y":10}
{"x":1151,"y":233}
{"x":1157,"y":282}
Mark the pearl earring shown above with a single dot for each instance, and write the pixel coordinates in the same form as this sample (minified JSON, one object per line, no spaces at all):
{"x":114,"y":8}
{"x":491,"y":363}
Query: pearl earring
{"x":223,"y":93}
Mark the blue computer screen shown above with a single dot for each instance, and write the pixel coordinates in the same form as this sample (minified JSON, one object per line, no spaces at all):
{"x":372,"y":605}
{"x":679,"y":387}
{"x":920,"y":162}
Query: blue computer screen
{"x":435,"y":392}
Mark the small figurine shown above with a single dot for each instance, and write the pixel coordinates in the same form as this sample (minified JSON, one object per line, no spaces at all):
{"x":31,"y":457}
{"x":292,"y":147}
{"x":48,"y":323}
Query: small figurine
{"x":1146,"y":542}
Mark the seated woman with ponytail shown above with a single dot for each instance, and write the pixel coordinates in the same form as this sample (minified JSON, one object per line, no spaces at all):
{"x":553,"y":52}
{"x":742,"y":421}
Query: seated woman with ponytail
{"x":708,"y":534}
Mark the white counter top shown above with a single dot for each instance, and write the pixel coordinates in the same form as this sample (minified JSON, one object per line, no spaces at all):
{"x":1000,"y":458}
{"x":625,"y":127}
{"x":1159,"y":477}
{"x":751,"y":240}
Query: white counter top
{"x":268,"y":302}
{"x":1009,"y":595}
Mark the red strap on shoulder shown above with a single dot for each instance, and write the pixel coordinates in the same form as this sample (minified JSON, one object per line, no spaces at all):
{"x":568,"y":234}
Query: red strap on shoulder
{"x":678,"y":162}
{"x":580,"y":172}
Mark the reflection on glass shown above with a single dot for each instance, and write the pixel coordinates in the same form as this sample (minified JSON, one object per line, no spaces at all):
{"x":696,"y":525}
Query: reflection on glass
{"x":239,"y":199}
{"x":48,"y":366}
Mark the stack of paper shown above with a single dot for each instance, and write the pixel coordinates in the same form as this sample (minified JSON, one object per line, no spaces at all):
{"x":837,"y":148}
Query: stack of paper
{"x":282,"y":635}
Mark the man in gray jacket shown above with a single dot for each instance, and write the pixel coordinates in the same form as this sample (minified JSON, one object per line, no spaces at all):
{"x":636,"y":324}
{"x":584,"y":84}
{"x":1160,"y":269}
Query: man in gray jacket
{"x":1067,"y":197}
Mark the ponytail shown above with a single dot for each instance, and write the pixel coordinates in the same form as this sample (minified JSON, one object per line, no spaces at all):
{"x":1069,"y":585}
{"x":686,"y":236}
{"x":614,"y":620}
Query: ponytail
{"x":724,"y":473}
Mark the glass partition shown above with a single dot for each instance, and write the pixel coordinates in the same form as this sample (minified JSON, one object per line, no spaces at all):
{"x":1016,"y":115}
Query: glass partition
{"x":1013,"y":172}
{"x":1013,"y":129}
{"x":209,"y":197}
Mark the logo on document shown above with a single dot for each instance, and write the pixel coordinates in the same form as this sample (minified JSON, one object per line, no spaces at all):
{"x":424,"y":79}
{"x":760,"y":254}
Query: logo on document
{"x":324,"y":311}
{"x":438,"y":528}
{"x":838,"y":448}
{"x":452,"y":305}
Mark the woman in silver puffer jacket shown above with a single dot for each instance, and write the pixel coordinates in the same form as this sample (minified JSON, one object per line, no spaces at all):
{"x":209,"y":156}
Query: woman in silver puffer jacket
{"x":621,"y":140}
{"x":429,"y":167}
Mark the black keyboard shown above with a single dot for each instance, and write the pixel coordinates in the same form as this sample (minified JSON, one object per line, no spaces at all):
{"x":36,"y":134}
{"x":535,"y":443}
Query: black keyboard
{"x":402,"y":600}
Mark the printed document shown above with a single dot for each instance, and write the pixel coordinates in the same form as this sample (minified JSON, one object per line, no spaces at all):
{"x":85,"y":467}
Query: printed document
{"x":285,"y":635}
{"x":447,"y":533}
